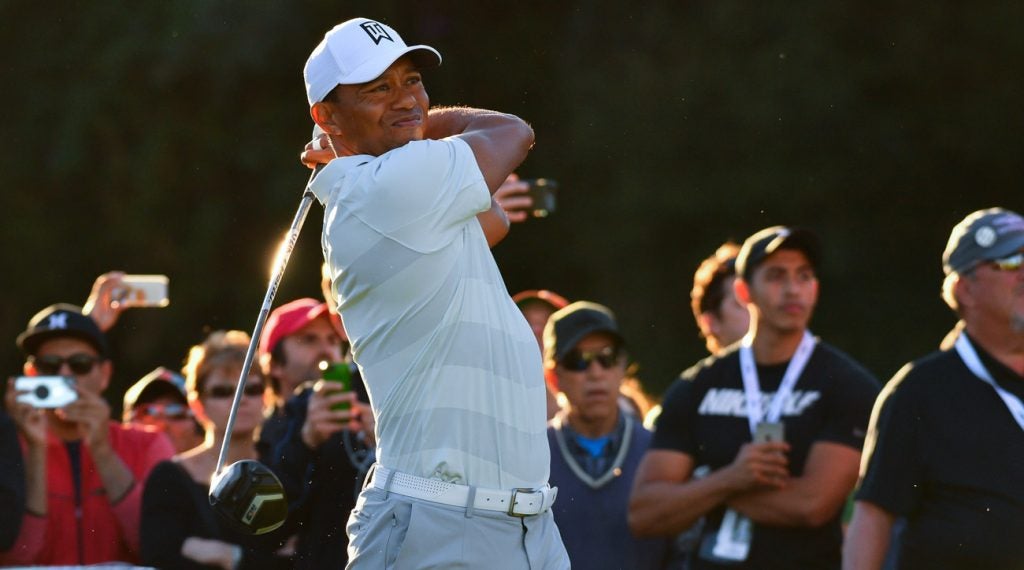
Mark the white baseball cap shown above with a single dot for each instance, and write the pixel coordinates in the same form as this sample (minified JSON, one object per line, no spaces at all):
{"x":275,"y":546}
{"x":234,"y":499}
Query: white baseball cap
{"x":358,"y":51}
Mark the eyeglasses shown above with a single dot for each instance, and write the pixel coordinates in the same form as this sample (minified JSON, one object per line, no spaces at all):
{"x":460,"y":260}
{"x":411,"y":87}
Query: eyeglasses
{"x":51,"y":364}
{"x":224,"y":391}
{"x":577,"y":360}
{"x":1010,"y":263}
{"x":173,"y":412}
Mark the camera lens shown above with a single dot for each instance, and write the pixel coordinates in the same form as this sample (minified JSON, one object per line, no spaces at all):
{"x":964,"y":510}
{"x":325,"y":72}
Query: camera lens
{"x":42,"y":392}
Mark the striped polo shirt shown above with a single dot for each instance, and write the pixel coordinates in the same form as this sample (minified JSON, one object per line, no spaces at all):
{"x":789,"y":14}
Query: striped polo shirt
{"x":451,"y":365}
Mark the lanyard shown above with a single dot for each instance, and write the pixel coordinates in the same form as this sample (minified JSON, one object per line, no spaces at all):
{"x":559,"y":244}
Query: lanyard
{"x":752,"y":387}
{"x":975,"y":365}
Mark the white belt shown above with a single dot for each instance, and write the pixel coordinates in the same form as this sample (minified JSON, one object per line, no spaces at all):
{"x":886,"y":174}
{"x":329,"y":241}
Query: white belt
{"x":520,"y":502}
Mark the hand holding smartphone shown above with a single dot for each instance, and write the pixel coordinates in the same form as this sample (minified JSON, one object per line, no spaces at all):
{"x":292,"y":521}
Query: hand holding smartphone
{"x":338,"y":372}
{"x":142,"y":291}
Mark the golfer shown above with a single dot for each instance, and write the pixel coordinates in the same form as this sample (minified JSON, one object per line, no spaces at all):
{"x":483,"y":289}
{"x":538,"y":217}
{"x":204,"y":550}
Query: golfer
{"x":452,"y":368}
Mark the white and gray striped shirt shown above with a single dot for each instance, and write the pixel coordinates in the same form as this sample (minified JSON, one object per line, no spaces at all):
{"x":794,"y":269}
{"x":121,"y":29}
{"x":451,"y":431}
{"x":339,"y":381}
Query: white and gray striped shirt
{"x":452,"y":367}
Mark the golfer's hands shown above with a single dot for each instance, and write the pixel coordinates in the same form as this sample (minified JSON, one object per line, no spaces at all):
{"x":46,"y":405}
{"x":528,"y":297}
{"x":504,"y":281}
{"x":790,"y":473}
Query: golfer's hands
{"x":321,"y":421}
{"x":513,"y":199}
{"x":30,"y":421}
{"x":317,"y":151}
{"x":102,"y":305}
{"x":760,"y":465}
{"x":210,"y":552}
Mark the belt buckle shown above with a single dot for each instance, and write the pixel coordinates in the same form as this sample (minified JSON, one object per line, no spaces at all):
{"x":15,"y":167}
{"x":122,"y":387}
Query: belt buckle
{"x":512,"y":504}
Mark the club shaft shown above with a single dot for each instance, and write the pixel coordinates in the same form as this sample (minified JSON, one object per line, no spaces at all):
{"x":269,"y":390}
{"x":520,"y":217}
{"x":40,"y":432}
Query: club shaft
{"x":268,"y":300}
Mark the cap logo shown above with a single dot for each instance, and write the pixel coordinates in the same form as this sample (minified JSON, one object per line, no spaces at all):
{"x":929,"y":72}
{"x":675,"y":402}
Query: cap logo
{"x":57,"y":321}
{"x":376,"y":32}
{"x":985,"y":236}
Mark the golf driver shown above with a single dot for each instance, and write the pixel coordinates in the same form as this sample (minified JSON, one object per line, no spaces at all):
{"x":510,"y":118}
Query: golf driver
{"x":247,"y":493}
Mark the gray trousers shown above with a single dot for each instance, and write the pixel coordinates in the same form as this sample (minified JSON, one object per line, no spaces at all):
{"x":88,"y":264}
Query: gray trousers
{"x":391,"y":531}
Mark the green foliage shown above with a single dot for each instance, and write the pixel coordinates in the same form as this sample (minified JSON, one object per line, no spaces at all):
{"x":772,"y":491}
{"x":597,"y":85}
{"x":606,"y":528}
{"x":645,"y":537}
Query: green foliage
{"x":162,"y":137}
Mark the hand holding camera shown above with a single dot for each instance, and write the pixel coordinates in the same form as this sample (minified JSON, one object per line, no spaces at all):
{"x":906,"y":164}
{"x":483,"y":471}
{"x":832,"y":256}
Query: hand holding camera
{"x":31,"y":421}
{"x":522,"y":199}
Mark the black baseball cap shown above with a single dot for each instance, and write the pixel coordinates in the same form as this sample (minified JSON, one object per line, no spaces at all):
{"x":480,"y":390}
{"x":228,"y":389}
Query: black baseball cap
{"x":759,"y":246}
{"x":61,"y":320}
{"x":567,"y":327}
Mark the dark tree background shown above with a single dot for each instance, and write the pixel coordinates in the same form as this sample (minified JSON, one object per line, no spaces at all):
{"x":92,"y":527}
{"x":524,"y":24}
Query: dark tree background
{"x":162,"y":137}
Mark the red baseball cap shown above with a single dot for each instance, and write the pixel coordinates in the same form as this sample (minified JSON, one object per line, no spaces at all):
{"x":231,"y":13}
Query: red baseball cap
{"x":551,"y":298}
{"x":290,"y":317}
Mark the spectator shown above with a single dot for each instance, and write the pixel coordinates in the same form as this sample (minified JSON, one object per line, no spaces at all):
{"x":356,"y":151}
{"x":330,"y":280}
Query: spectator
{"x":722,"y":320}
{"x":595,"y":446}
{"x":537,"y":305}
{"x":945,"y":445}
{"x":721,"y":317}
{"x":158,"y":400}
{"x":12,"y":482}
{"x":179,"y":528}
{"x":454,"y":373}
{"x":84,"y":473}
{"x":298,"y":336}
{"x":321,"y":455}
{"x":769,"y":503}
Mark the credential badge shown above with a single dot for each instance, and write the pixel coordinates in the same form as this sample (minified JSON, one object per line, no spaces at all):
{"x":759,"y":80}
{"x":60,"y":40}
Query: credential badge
{"x":985,"y":236}
{"x":376,"y":32}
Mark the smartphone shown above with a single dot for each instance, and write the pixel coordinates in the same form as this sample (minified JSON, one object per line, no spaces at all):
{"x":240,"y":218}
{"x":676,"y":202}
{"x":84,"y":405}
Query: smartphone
{"x":142,"y":291}
{"x":769,"y":431}
{"x":543,"y":194}
{"x":338,"y":372}
{"x":45,"y":391}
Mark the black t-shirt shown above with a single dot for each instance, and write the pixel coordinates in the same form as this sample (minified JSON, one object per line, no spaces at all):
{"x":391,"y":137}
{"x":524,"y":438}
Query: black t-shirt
{"x":946,"y":453}
{"x":12,"y":482}
{"x":705,"y":416}
{"x":176,"y":507}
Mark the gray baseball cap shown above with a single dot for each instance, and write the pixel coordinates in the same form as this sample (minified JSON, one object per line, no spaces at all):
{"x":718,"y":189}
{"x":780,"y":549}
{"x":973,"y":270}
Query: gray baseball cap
{"x":982,"y":236}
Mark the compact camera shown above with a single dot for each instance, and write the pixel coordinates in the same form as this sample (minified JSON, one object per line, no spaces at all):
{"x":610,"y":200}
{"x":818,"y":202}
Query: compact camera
{"x":45,"y":391}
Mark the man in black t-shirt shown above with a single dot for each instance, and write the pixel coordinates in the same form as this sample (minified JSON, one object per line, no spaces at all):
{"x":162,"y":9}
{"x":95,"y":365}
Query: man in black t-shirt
{"x":945,"y":449}
{"x":772,"y":476}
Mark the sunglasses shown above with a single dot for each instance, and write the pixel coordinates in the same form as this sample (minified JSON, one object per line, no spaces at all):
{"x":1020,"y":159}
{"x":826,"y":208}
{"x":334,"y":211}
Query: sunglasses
{"x":1011,"y":263}
{"x":223,"y":391}
{"x":51,"y":364}
{"x":577,"y":360}
{"x":162,"y":412}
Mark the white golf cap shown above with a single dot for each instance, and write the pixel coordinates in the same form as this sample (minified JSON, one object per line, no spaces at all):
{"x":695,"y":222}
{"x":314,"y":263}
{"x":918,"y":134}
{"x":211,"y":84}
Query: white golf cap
{"x":358,"y":51}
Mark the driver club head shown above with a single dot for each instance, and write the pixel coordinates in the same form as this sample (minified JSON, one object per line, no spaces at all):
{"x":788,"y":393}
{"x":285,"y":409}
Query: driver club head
{"x":249,"y":497}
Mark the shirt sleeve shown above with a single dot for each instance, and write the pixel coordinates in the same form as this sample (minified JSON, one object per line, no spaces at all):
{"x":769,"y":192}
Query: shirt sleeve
{"x":30,"y":542}
{"x":850,"y":408}
{"x":422,"y":194}
{"x":167,"y":517}
{"x":891,"y":468}
{"x":674,"y":427}
{"x":128,"y":509}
